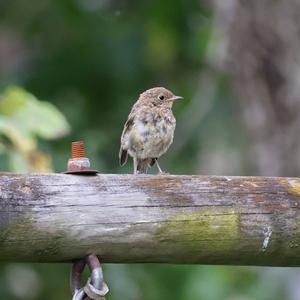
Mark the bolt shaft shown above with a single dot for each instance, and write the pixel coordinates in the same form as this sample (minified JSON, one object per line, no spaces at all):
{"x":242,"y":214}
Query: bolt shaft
{"x":78,"y":150}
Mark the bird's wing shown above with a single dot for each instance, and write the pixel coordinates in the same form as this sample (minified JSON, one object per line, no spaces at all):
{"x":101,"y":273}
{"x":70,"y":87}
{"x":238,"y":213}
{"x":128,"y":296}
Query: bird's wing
{"x":128,"y":125}
{"x":123,"y":155}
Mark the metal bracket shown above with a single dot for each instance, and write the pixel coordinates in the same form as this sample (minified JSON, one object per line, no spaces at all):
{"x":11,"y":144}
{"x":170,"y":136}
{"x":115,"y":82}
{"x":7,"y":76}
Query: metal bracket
{"x":95,"y":287}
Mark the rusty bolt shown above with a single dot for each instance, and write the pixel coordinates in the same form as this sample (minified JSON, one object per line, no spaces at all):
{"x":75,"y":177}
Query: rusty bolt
{"x":78,"y":163}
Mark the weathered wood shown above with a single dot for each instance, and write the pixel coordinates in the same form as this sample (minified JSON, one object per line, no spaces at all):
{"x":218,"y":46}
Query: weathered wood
{"x":150,"y":218}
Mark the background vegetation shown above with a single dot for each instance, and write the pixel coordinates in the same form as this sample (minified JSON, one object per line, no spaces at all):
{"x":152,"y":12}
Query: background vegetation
{"x":71,"y":69}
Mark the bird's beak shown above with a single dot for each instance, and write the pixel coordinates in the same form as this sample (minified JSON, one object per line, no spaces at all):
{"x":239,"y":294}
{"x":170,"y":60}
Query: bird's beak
{"x":174,"y":98}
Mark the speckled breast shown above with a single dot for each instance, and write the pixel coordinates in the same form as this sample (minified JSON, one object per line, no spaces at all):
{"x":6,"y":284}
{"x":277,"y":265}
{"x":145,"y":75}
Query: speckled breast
{"x":152,"y":136}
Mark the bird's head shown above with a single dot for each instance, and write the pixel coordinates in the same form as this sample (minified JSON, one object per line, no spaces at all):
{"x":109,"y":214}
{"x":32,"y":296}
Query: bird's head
{"x":159,"y":96}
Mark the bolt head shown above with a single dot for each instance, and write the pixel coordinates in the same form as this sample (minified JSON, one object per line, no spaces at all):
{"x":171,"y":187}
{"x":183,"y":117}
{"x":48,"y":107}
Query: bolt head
{"x":77,"y":165}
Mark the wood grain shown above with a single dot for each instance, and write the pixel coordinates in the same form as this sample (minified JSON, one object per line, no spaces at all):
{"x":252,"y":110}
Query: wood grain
{"x":150,"y":218}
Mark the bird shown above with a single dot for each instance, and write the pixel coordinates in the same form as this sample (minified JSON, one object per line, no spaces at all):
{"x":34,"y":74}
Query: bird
{"x":149,"y":129}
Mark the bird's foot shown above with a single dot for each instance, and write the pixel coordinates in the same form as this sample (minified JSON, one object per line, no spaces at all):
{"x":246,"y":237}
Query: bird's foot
{"x":139,"y":172}
{"x":162,"y":173}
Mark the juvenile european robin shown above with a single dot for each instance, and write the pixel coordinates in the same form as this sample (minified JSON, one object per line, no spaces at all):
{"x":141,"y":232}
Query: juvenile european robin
{"x":149,"y":130}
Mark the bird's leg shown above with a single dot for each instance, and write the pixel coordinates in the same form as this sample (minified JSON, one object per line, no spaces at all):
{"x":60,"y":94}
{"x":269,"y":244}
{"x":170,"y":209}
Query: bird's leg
{"x":158,"y":167}
{"x":160,"y":171}
{"x":135,"y":165}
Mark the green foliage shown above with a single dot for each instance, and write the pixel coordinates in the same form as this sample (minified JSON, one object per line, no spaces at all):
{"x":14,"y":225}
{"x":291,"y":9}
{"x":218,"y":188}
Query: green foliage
{"x":91,"y":59}
{"x":24,"y":119}
{"x":31,"y":116}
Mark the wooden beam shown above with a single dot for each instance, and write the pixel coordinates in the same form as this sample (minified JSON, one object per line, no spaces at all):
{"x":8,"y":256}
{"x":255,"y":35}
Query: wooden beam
{"x":150,"y":218}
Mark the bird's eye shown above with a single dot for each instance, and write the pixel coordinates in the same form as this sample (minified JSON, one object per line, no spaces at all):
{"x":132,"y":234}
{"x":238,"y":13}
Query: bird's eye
{"x":161,"y":97}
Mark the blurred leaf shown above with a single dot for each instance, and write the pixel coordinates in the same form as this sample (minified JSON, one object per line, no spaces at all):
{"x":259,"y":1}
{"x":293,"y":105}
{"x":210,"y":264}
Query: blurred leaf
{"x":12,"y":100}
{"x":23,"y":118}
{"x":42,"y":119}
{"x":30,"y":115}
{"x":21,"y":140}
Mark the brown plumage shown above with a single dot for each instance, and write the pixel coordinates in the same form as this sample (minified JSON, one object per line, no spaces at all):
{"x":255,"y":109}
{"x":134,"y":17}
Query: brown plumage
{"x":149,"y":129}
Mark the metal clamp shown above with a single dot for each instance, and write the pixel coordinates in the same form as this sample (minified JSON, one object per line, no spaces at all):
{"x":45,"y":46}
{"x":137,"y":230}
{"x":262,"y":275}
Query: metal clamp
{"x":95,"y":287}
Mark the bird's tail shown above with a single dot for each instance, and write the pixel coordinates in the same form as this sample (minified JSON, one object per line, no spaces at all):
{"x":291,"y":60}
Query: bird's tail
{"x":143,"y":165}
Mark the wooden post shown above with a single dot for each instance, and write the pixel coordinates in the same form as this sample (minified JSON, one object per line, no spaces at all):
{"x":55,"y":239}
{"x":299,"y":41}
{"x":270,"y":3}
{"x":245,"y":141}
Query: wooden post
{"x":150,"y":218}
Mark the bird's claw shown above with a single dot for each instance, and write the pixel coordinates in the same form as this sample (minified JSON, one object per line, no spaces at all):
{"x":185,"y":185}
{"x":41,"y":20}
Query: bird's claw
{"x":162,"y":173}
